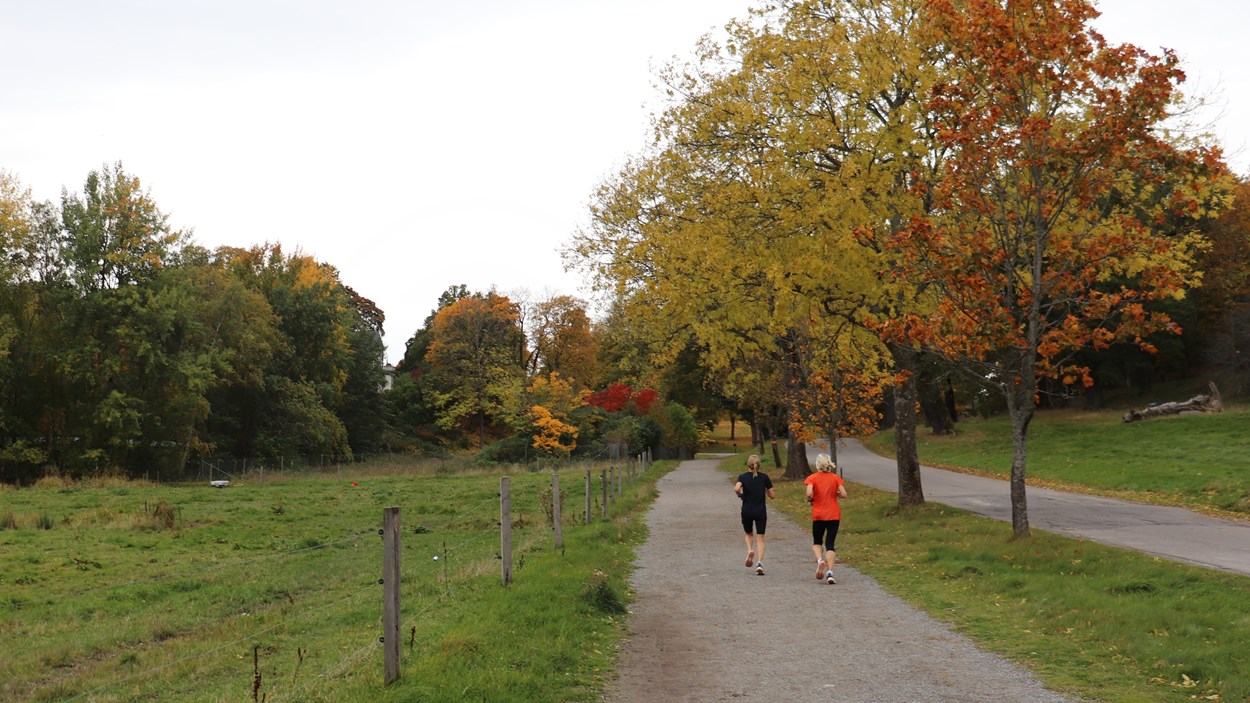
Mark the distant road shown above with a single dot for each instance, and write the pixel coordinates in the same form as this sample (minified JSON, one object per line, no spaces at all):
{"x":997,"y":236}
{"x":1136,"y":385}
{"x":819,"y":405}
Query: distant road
{"x":1171,"y":533}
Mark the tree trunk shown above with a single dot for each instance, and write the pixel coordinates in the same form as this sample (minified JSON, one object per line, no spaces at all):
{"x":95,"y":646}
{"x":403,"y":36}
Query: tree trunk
{"x":1208,"y":403}
{"x":887,"y":409}
{"x":934,"y":408}
{"x":832,"y":434}
{"x":772,"y":436}
{"x":1021,"y":404}
{"x":1093,"y":399}
{"x":910,"y":491}
{"x":797,"y":467}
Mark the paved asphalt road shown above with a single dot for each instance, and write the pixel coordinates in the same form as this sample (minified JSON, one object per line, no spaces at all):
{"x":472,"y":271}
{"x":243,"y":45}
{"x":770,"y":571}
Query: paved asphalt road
{"x":1172,"y":533}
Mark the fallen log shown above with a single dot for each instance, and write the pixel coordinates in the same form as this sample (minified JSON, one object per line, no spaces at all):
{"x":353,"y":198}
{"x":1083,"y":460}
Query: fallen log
{"x":1206,"y":403}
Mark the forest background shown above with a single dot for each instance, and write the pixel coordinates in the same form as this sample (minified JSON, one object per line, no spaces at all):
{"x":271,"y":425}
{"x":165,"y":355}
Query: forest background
{"x":800,"y":248}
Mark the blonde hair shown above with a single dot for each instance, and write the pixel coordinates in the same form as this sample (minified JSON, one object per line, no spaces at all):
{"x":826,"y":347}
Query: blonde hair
{"x":824,"y":463}
{"x":753,"y":461}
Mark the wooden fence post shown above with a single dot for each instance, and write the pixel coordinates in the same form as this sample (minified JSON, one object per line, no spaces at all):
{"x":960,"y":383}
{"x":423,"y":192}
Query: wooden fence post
{"x":603,"y":481}
{"x":390,"y":593}
{"x":555,"y":509}
{"x":505,"y":527}
{"x":587,"y":496}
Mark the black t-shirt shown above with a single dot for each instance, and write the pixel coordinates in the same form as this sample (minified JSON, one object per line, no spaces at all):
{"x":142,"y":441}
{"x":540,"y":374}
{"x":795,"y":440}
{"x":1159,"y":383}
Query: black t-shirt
{"x":754,"y":491}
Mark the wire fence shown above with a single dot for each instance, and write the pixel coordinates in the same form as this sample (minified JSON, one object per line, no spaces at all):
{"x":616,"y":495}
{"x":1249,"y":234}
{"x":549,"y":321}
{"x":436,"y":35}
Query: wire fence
{"x":283,"y":625}
{"x":223,"y":470}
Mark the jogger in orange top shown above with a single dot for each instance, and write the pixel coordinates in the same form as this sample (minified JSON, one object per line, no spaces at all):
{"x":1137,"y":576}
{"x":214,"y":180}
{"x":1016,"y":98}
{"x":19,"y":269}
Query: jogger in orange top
{"x":824,"y":488}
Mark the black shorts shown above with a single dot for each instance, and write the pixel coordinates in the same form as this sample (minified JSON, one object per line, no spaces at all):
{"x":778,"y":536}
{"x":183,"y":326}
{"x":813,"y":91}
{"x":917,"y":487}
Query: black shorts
{"x":825,"y":531}
{"x":755,"y":522}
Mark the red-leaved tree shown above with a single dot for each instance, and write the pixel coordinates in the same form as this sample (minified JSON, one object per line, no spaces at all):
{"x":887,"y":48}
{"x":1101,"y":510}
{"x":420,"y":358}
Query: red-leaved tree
{"x":1064,"y":208}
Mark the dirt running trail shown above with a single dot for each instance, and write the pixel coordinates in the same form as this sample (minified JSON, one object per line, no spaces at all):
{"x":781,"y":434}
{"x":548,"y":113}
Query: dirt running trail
{"x":706,"y":628}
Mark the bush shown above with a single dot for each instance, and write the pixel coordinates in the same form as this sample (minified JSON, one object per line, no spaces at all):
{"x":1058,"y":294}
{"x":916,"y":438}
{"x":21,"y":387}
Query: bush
{"x":599,"y":593}
{"x":161,"y":516}
{"x":513,"y":450}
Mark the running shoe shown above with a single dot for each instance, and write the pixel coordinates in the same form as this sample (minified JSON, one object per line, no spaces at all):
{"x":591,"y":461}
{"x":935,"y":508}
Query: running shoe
{"x":829,"y":577}
{"x":759,"y":569}
{"x":750,"y":558}
{"x":821,"y":568}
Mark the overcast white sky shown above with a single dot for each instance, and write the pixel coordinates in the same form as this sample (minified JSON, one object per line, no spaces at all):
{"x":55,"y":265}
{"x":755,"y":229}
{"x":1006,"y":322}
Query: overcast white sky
{"x":413,"y":145}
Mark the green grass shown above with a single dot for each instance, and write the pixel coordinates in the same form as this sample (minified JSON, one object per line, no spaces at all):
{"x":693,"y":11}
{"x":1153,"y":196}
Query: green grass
{"x":719,"y":440}
{"x":113,"y":604}
{"x":1194,"y":461}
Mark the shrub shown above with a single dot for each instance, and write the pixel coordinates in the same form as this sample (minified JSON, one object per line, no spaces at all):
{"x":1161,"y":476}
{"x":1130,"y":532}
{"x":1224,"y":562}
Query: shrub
{"x":161,"y":516}
{"x":511,"y":450}
{"x":600,"y":594}
{"x":54,"y":481}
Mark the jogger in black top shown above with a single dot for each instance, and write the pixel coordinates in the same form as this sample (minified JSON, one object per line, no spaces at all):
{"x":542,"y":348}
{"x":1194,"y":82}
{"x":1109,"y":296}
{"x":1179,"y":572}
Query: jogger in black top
{"x":753,"y":487}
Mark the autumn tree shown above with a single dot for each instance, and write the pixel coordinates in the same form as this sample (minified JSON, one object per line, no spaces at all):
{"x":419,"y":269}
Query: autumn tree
{"x":17,"y":222}
{"x":559,"y":332}
{"x":1223,"y":302}
{"x":477,"y":354}
{"x":754,"y":225}
{"x":553,"y":402}
{"x":1046,"y":235}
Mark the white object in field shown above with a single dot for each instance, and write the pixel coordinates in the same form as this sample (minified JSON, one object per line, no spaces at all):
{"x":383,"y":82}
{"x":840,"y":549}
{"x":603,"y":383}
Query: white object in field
{"x":219,"y":484}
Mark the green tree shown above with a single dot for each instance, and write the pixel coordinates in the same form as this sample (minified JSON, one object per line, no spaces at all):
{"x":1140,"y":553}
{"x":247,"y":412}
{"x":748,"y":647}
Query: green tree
{"x":113,"y":244}
{"x":115,"y":233}
{"x":315,"y":318}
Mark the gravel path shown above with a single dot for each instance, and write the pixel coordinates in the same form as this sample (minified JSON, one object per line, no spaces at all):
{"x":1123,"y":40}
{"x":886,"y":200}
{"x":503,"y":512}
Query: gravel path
{"x":705,"y":628}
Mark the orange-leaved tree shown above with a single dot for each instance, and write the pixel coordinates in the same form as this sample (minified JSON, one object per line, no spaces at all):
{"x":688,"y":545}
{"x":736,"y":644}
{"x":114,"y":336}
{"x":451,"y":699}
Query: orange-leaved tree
{"x":1065,"y":207}
{"x":561,"y":341}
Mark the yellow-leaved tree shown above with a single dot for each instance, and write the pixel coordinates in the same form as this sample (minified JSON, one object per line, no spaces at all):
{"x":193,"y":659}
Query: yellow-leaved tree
{"x":754,"y":223}
{"x":551,"y":434}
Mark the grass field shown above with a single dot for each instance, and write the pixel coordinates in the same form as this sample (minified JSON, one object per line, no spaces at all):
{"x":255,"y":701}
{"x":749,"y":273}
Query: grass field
{"x":117,"y":591}
{"x":113,"y":591}
{"x":1195,"y":461}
